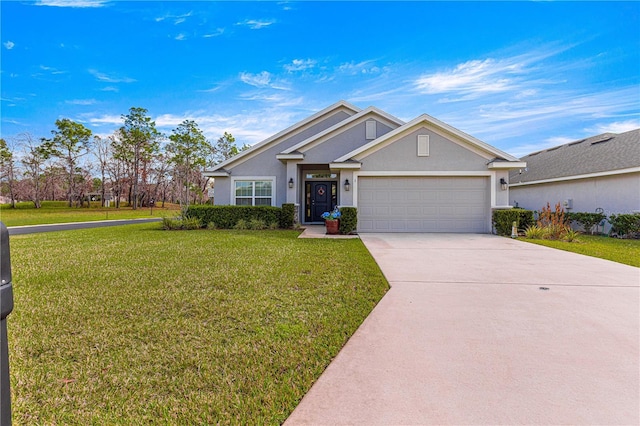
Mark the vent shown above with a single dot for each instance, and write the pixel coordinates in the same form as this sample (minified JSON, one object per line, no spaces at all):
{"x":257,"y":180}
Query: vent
{"x":577,"y":142}
{"x":601,"y":140}
{"x":553,"y":149}
{"x":370,"y":130}
{"x":423,"y":145}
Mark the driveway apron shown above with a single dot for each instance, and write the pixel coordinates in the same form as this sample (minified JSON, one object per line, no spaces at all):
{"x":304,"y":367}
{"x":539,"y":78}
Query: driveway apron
{"x":480,"y":329}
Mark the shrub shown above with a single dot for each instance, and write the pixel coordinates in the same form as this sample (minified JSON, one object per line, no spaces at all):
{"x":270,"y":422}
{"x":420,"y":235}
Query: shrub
{"x":586,"y":220}
{"x":625,"y":225}
{"x":171,"y":223}
{"x":534,"y":232}
{"x":287,"y":216}
{"x":571,"y":236}
{"x":190,"y":223}
{"x":240,"y":225}
{"x":348,"y":220}
{"x":503,"y":220}
{"x":212,"y":226}
{"x":226,"y":217}
{"x":554,"y":221}
{"x":256,"y":224}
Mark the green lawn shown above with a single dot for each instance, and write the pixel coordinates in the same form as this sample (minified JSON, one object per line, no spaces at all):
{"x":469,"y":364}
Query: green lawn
{"x":131,"y":325}
{"x":58,"y":212}
{"x":618,"y":250}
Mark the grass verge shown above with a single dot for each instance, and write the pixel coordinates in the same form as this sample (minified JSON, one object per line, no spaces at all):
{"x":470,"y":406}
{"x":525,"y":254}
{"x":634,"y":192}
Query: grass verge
{"x":617,"y":250}
{"x":58,"y":212}
{"x":130,"y":325}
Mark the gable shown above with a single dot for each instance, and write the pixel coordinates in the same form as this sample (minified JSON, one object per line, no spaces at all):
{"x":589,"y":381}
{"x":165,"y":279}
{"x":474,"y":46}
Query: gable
{"x":293,"y":135}
{"x":423,"y":149}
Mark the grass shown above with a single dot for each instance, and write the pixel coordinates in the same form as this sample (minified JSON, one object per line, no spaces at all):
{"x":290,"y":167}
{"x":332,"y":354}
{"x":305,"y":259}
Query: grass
{"x":617,"y":250}
{"x":131,"y":325}
{"x":58,"y":212}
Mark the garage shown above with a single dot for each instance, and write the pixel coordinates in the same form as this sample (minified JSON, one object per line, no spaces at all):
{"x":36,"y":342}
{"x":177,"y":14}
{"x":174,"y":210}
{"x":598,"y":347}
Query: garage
{"x":424,"y":204}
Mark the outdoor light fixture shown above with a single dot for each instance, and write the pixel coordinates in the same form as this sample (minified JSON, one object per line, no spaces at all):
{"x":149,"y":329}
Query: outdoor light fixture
{"x":290,"y":182}
{"x":503,"y":184}
{"x":347,"y":185}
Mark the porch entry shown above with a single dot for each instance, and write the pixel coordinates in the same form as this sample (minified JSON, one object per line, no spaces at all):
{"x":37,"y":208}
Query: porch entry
{"x":320,"y":197}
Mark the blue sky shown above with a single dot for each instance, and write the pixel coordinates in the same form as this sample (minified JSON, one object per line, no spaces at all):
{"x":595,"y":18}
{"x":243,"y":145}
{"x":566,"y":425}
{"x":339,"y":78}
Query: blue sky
{"x":518,"y":75}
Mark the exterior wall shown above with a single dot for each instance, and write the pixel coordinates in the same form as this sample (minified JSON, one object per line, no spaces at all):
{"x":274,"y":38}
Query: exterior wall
{"x":221,"y":191}
{"x":614,"y":194}
{"x":501,"y":196}
{"x":341,"y":144}
{"x":444,"y":155}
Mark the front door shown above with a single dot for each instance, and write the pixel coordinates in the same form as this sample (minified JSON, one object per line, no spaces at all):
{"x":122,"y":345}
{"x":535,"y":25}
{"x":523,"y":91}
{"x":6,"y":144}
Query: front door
{"x":320,"y":197}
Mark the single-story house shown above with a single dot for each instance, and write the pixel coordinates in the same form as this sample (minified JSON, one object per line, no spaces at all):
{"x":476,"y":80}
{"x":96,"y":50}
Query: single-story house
{"x":419,"y":176}
{"x":600,"y":172}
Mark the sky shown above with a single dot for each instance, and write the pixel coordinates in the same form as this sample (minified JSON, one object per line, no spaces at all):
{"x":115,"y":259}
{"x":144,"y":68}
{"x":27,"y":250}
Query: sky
{"x":521,"y":76}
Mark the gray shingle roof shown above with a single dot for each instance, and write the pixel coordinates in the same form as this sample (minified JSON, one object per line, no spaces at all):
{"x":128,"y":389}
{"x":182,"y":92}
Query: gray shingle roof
{"x":602,"y":153}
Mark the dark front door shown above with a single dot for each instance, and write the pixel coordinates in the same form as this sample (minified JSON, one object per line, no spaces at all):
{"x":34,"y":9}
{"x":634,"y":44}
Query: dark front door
{"x":320,"y":197}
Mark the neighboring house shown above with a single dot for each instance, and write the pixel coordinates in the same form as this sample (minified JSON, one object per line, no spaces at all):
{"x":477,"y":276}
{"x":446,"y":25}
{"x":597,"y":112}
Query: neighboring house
{"x":420,"y":176}
{"x":600,"y":172}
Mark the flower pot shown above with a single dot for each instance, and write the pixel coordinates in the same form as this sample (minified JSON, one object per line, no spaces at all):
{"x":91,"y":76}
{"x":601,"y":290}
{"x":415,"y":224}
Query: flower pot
{"x":333,"y":226}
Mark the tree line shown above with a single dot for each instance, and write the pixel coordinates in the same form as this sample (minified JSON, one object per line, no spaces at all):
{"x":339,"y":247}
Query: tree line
{"x":136,"y":163}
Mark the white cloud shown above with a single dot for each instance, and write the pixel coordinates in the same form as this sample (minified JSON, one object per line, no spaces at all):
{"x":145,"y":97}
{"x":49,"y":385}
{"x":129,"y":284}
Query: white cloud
{"x":9,"y":44}
{"x":615,"y":127}
{"x":216,"y":33}
{"x":359,"y":68}
{"x":255,"y":24}
{"x":105,"y":119}
{"x":72,"y":3}
{"x":181,"y":37}
{"x":100,"y":76}
{"x":300,"y":65}
{"x":110,"y":89}
{"x":81,"y":102}
{"x":258,"y":80}
{"x":51,"y":70}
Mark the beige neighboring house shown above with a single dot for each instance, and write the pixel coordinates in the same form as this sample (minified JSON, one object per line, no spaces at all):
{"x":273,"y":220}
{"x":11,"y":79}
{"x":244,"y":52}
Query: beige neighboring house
{"x":420,"y":176}
{"x":600,"y":172}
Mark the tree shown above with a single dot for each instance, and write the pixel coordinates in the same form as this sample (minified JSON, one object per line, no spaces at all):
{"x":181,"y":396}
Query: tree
{"x":33,"y":160}
{"x":188,"y":150}
{"x":69,"y":143}
{"x":224,"y":148}
{"x":139,"y":139}
{"x":102,"y":151}
{"x":8,"y":169}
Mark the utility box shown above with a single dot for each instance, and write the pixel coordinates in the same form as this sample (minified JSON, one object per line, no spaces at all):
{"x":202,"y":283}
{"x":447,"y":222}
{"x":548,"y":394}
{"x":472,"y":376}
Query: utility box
{"x":568,"y":204}
{"x":6,"y":306}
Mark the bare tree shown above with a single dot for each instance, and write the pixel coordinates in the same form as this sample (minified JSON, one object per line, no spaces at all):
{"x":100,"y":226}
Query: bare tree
{"x":34,"y":160}
{"x":102,"y":151}
{"x":8,"y":171}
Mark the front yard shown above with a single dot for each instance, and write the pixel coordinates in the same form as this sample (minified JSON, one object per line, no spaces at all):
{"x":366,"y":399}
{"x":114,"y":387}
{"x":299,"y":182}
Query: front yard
{"x":617,"y":250}
{"x":130,"y":325}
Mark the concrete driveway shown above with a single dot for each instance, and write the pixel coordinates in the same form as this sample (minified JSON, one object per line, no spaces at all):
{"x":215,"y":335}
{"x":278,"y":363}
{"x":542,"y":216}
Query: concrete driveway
{"x":480,"y":329}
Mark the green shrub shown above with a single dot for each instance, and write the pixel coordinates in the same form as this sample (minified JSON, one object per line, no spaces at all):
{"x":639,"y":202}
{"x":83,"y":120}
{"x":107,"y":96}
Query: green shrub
{"x":586,"y":220}
{"x":348,"y":220}
{"x":212,"y":226}
{"x":287,"y":216}
{"x":625,"y":225}
{"x":171,"y":223}
{"x":571,"y":236}
{"x":241,"y":225}
{"x":256,"y":224}
{"x":226,"y":217}
{"x":503,"y":220}
{"x":190,"y":223}
{"x":274,"y":225}
{"x":534,"y":232}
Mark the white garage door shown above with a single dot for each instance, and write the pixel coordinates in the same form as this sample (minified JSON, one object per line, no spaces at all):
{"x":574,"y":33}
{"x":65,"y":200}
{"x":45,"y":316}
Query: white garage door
{"x":423,"y":204}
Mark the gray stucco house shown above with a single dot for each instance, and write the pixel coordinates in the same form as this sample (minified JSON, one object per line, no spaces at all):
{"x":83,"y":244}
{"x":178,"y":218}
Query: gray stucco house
{"x":600,"y":172}
{"x":420,"y":176}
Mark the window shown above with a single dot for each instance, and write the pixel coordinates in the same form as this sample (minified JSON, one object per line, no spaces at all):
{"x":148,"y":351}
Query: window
{"x":254,"y":192}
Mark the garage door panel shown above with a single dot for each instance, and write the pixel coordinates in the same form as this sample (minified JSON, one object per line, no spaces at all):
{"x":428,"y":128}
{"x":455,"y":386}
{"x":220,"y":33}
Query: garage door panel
{"x":423,"y":204}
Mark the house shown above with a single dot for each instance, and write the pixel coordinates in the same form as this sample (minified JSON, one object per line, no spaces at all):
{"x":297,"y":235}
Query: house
{"x":419,"y":176}
{"x":600,"y":172}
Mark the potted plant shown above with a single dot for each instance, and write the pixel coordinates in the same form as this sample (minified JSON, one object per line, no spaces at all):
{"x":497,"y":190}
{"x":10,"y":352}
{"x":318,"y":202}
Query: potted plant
{"x":331,"y":221}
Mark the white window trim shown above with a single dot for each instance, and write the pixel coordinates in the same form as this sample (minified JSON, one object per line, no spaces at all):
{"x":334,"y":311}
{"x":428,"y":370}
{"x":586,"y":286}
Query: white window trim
{"x":253,"y":179}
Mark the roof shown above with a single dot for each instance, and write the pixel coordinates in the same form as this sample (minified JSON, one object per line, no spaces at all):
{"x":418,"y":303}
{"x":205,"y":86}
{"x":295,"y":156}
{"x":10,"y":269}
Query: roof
{"x":342,"y":105}
{"x":607,"y":152}
{"x":435,"y":124}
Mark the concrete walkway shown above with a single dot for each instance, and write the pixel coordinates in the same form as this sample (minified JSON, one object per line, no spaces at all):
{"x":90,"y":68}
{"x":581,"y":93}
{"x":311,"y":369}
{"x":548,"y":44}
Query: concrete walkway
{"x":480,"y":329}
{"x":319,"y":231}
